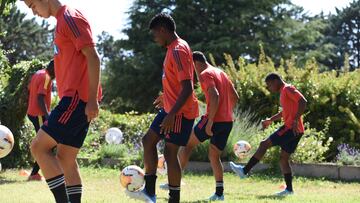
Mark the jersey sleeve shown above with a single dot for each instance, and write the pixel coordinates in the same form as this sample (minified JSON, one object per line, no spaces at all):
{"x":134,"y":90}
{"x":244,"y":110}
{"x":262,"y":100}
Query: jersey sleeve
{"x":78,"y":30}
{"x":207,"y":81}
{"x":183,"y":63}
{"x":293,"y":94}
{"x":44,"y":83}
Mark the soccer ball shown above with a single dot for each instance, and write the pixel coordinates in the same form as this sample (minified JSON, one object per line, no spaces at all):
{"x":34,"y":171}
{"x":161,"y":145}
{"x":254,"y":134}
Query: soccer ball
{"x":6,"y":141}
{"x":114,"y":136}
{"x":132,"y":178}
{"x":161,"y":167}
{"x":241,"y":149}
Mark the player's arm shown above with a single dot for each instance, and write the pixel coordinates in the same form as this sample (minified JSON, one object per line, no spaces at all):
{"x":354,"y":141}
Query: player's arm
{"x":301,"y":109}
{"x":42,"y":104}
{"x":234,"y":95}
{"x":187,"y":89}
{"x":213,"y":107}
{"x":93,"y":64}
{"x":265,"y":123}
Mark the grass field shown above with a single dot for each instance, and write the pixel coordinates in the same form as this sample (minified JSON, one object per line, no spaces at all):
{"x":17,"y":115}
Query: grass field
{"x":102,"y":185}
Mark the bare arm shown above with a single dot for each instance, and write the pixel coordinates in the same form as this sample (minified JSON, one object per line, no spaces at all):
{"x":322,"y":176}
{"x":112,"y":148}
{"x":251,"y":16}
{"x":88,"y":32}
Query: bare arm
{"x":93,"y":64}
{"x":42,"y":104}
{"x":168,"y":123}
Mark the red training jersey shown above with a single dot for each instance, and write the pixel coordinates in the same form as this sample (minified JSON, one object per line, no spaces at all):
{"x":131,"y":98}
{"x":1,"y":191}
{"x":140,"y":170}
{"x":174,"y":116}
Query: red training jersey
{"x":72,"y":33}
{"x":40,"y":84}
{"x":214,"y":77}
{"x":289,"y":100}
{"x":178,"y":66}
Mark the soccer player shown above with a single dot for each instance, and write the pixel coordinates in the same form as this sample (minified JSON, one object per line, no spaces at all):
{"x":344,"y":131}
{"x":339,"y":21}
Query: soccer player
{"x":39,"y":104}
{"x":287,"y":137}
{"x":216,"y":124}
{"x":175,"y":121}
{"x":77,"y":70}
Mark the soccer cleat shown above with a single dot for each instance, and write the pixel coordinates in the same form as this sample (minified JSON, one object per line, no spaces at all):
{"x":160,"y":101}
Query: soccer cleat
{"x":216,"y":197}
{"x":284,"y":193}
{"x":238,"y":169}
{"x":36,"y":177}
{"x":141,"y":195}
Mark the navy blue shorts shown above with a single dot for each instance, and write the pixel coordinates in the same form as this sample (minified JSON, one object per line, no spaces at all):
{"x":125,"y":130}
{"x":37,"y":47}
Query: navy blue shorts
{"x":221,"y":132}
{"x":286,"y":139}
{"x":37,"y":121}
{"x":182,"y":129}
{"x":67,"y":123}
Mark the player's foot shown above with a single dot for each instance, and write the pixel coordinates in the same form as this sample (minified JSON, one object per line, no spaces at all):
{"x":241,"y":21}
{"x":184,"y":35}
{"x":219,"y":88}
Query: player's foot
{"x":165,"y":186}
{"x":36,"y":177}
{"x":24,"y":173}
{"x":238,"y":169}
{"x":284,"y":193}
{"x":141,"y":195}
{"x":216,"y":197}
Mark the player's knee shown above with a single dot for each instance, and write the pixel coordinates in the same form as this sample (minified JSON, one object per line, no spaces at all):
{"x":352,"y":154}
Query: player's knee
{"x":34,"y":148}
{"x":264,"y":145}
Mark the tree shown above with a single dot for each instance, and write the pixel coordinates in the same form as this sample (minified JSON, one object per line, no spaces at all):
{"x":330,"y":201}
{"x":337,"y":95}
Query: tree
{"x":4,"y":5}
{"x":212,"y":26}
{"x":24,"y":39}
{"x":344,"y":33}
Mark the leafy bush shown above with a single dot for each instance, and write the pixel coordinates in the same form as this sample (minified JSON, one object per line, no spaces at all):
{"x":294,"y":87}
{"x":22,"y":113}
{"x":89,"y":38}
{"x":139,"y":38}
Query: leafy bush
{"x":348,"y":155}
{"x":334,"y":95}
{"x":13,"y":106}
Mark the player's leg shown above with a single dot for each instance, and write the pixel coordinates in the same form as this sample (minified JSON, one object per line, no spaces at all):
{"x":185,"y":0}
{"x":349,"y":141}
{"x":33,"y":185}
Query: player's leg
{"x":37,"y":122}
{"x":218,"y":170}
{"x":149,"y":142}
{"x":185,"y":152}
{"x":41,"y":149}
{"x":259,"y":154}
{"x":67,"y":159}
{"x":286,"y":169}
{"x":174,"y":171}
{"x":218,"y":141}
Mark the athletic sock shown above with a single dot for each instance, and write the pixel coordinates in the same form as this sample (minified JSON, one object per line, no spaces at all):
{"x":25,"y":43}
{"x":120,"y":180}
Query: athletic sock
{"x":288,"y":181}
{"x":150,"y":182}
{"x":74,"y":192}
{"x":57,"y":187}
{"x":174,"y":194}
{"x":219,"y":188}
{"x":35,"y":169}
{"x":252,"y":162}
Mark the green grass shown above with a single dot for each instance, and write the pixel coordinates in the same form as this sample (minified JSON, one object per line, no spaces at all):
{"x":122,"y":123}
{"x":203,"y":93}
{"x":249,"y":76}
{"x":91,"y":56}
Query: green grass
{"x":102,"y":185}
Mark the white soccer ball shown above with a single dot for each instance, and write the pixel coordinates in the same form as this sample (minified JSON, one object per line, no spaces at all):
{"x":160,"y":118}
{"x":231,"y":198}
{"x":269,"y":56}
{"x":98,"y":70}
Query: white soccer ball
{"x":6,"y":141}
{"x":114,"y":136}
{"x":132,"y":178}
{"x":241,"y":149}
{"x":162,"y":166}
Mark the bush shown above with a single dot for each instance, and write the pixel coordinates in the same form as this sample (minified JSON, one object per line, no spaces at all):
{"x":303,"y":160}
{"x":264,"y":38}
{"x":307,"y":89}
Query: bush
{"x":348,"y":155}
{"x":13,"y":106}
{"x":334,"y":95}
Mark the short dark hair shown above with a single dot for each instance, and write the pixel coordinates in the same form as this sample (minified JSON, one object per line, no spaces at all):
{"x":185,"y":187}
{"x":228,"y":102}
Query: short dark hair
{"x":273,"y":76}
{"x":199,"y":56}
{"x":163,"y":20}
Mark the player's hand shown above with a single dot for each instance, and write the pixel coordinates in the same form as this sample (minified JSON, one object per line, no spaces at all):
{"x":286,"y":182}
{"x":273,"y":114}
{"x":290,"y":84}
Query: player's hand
{"x":167,"y":125}
{"x":159,"y":102}
{"x":265,"y":123}
{"x":295,"y":127}
{"x":208,"y":128}
{"x":92,"y":109}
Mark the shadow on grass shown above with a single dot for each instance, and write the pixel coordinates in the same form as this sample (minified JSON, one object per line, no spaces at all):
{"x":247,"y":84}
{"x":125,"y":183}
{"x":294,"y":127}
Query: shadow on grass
{"x":272,"y":197}
{"x":4,"y":181}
